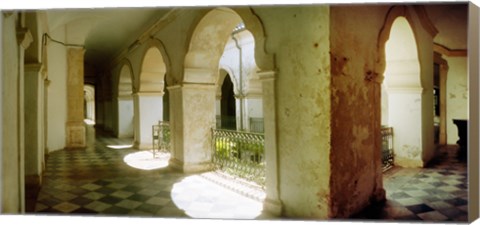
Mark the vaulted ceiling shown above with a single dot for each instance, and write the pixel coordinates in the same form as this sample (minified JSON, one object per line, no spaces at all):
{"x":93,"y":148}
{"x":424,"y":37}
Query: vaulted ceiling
{"x":105,"y":31}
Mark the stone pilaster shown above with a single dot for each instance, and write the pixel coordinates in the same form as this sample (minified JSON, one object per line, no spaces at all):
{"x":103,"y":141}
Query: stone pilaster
{"x":33,"y":129}
{"x":75,"y":125}
{"x":272,"y":203}
{"x":24,"y":39}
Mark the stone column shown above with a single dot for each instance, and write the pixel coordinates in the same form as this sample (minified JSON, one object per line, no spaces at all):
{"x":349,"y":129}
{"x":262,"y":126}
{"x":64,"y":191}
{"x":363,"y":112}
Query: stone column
{"x":33,"y":128}
{"x":148,"y":111}
{"x":75,"y":126}
{"x":272,"y":203}
{"x":192,"y":116}
{"x":24,"y":38}
{"x":443,"y":104}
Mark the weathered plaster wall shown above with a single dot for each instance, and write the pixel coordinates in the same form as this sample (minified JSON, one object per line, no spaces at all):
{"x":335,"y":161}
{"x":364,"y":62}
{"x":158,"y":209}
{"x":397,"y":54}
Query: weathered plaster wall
{"x":457,"y":95}
{"x":355,"y":155}
{"x":10,"y":175}
{"x":303,"y":105}
{"x":57,"y":91}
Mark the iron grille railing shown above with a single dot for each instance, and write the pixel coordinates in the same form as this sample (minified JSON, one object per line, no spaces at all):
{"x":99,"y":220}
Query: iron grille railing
{"x":256,"y":125}
{"x":387,"y":147}
{"x":240,"y":154}
{"x":161,"y":137}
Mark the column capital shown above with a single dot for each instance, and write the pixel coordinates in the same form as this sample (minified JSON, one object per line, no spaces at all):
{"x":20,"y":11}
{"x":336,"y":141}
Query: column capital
{"x":33,"y":67}
{"x":24,"y":37}
{"x":148,"y":93}
{"x":192,"y":86}
{"x":266,"y":75}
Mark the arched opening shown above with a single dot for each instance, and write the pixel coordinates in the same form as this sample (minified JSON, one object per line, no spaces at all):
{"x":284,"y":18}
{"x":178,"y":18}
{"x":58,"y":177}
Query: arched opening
{"x":200,"y":149}
{"x":125,"y":103}
{"x":89,"y":106}
{"x":227,"y":112}
{"x":149,"y":100}
{"x":403,"y":95}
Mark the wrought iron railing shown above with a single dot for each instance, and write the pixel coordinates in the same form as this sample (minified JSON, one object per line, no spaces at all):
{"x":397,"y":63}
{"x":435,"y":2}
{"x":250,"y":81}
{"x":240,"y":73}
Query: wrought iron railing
{"x":240,"y":154}
{"x":161,"y":137}
{"x":256,"y":125}
{"x":387,"y":147}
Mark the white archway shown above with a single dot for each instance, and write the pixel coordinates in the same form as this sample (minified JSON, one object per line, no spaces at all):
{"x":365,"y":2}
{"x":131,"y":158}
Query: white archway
{"x":404,"y":46}
{"x":89,"y":91}
{"x":149,"y":100}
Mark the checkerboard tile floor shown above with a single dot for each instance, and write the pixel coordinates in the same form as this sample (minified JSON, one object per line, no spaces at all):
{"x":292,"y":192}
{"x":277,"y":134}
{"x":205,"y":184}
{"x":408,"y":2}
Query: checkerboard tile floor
{"x":96,"y":181}
{"x":436,"y":193}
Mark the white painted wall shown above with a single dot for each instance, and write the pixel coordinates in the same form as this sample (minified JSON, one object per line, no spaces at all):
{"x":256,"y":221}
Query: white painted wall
{"x":405,"y":116}
{"x":149,"y":110}
{"x":125,"y":117}
{"x":254,"y":107}
{"x":57,"y":91}
{"x":457,"y":95}
{"x":230,"y":61}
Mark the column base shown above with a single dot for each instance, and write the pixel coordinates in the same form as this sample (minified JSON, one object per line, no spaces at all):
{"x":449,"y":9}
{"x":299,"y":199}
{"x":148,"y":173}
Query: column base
{"x":190,"y":167}
{"x":76,"y":135}
{"x":408,"y":163}
{"x":272,"y":207}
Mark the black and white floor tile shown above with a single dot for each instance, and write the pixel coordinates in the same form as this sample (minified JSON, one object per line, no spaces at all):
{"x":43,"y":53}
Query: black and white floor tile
{"x":98,"y":180}
{"x":436,"y":193}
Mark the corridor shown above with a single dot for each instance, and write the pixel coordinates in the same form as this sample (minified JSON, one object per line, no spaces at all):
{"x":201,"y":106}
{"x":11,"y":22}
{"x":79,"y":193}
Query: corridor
{"x":97,"y":181}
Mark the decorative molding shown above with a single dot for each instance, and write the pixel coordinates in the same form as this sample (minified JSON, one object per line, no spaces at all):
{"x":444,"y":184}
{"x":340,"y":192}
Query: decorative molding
{"x":24,"y":37}
{"x":266,"y":75}
{"x":146,"y":93}
{"x":449,"y":52}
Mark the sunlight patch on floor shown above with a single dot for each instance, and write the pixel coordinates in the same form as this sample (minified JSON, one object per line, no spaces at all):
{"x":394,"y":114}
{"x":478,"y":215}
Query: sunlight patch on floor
{"x":89,"y":121}
{"x":146,"y":160}
{"x":200,"y":198}
{"x":119,"y":146}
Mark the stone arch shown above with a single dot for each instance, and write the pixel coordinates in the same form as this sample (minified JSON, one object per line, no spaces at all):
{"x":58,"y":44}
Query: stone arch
{"x":223,"y":72}
{"x":408,"y":75}
{"x":203,"y":54}
{"x":393,"y":13}
{"x":125,"y":84}
{"x":155,"y":67}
